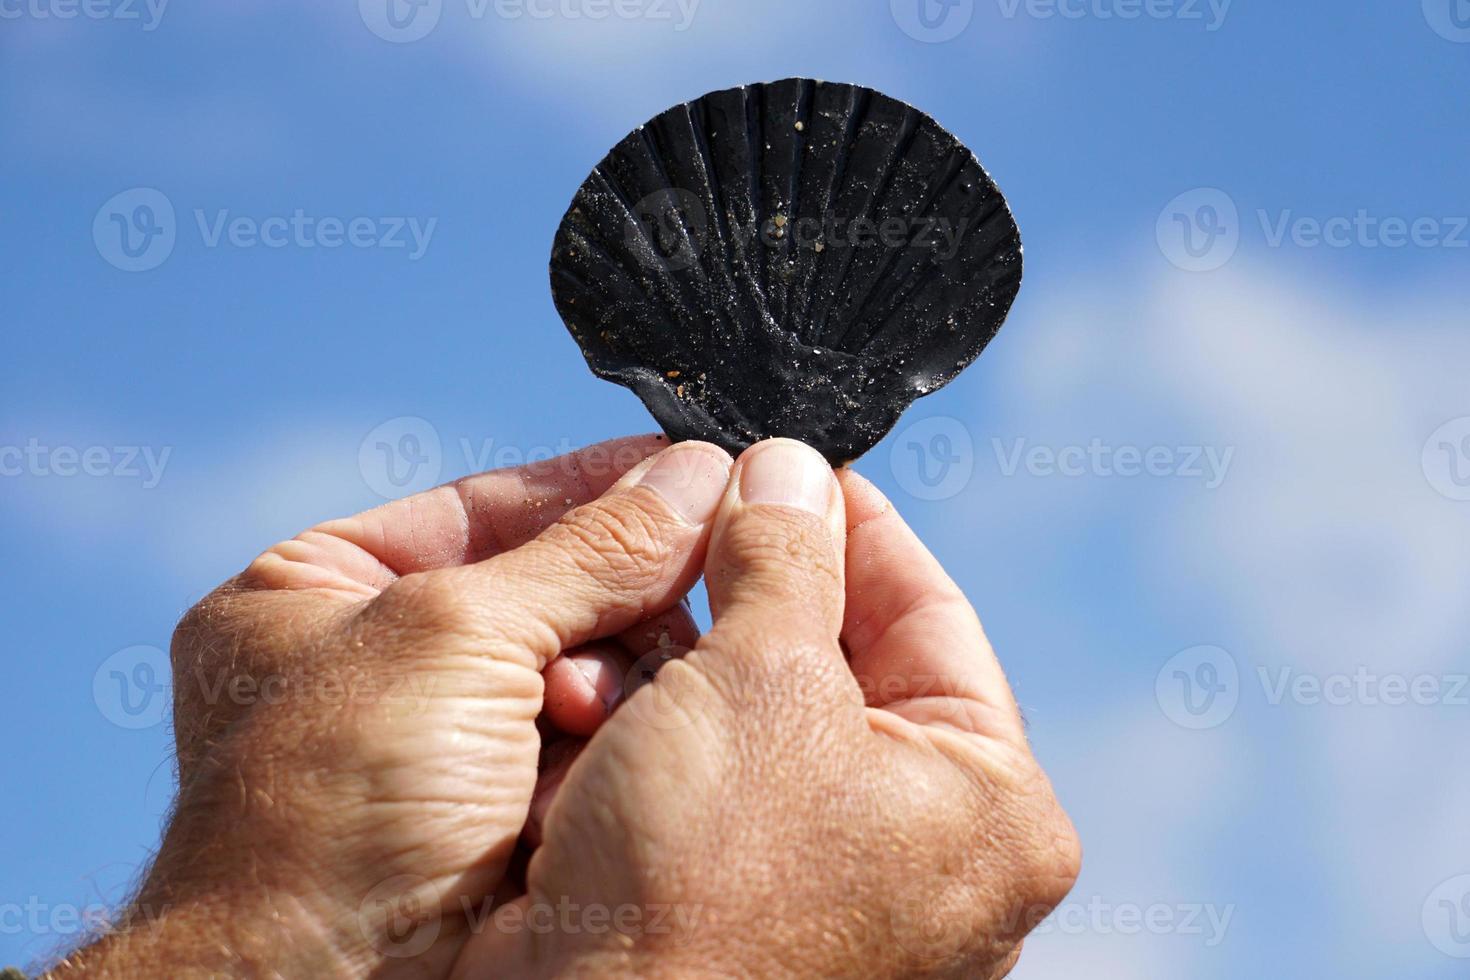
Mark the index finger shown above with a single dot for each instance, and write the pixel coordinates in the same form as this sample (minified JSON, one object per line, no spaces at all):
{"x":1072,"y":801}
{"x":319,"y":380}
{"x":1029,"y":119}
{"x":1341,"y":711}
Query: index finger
{"x":916,"y":646}
{"x":460,"y":523}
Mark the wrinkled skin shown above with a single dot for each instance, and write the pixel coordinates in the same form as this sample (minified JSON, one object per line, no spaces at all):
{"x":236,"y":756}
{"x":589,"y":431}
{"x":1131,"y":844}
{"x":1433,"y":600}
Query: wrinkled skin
{"x":833,"y":781}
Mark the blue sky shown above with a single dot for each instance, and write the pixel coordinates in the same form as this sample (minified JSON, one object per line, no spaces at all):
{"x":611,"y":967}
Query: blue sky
{"x":1297,"y":548}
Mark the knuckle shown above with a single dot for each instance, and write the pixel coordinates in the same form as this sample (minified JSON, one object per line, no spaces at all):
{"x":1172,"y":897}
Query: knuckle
{"x":781,"y":545}
{"x":1021,"y":827}
{"x":1048,"y":854}
{"x":614,"y":536}
{"x":430,"y":601}
{"x":777,"y":687}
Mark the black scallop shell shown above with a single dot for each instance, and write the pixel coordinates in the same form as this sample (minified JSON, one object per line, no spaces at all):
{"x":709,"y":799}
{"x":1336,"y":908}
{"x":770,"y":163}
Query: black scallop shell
{"x":796,"y":258}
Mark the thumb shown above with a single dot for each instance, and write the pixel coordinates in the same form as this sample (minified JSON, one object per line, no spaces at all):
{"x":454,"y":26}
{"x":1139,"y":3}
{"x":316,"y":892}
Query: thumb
{"x":604,"y":566}
{"x":775,"y":564}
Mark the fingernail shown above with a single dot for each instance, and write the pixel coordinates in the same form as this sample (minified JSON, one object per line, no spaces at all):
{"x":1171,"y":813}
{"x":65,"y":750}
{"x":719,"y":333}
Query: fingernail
{"x":788,"y":473}
{"x":691,"y":479}
{"x":603,"y":678}
{"x":591,"y":670}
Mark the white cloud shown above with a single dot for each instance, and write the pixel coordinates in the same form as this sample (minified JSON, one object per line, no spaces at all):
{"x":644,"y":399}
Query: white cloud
{"x":1325,"y":549}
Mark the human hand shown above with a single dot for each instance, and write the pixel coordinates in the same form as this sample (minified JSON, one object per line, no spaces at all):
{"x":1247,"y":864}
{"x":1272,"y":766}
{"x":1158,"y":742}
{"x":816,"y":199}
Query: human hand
{"x":356,"y":715}
{"x":834,"y":782}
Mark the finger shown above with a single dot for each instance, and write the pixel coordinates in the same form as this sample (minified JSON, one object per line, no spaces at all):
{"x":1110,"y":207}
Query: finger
{"x":555,"y":763}
{"x":916,"y":646}
{"x":605,"y":566}
{"x":583,"y":686}
{"x":774,"y":570}
{"x":672,"y":629}
{"x":466,"y":521}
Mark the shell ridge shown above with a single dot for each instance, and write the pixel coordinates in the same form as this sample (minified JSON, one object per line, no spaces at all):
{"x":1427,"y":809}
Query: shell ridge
{"x":897,"y":294}
{"x":655,"y":157}
{"x":713,"y":275}
{"x":908,"y":132}
{"x":869,"y":202}
{"x":793,"y":195}
{"x":754,"y":144}
{"x":664,"y":276}
{"x":704,"y":164}
{"x":742,"y":267}
{"x":922,"y":278}
{"x":858,"y":102}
